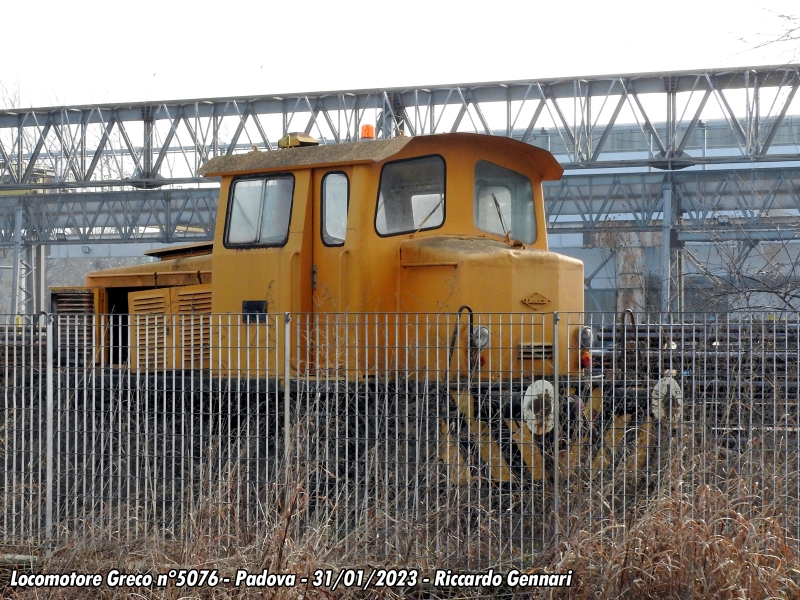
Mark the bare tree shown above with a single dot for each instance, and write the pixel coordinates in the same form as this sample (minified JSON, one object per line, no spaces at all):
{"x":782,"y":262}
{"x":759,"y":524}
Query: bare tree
{"x":788,"y":36}
{"x":746,"y":273}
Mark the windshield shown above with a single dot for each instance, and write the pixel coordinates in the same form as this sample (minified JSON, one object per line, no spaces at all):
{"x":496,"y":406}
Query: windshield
{"x":260,"y":211}
{"x":504,"y":202}
{"x":411,"y":196}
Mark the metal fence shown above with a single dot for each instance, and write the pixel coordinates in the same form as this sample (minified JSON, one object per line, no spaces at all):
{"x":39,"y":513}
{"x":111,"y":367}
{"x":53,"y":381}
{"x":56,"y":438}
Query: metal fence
{"x":446,"y":439}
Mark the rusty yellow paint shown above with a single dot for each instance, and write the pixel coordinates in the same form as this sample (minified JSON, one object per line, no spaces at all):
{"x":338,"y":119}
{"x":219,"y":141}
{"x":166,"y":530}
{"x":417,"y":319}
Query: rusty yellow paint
{"x":435,"y":270}
{"x":614,"y":441}
{"x":374,"y":280}
{"x":183,"y":251}
{"x":531,"y":454}
{"x":569,"y":459}
{"x":458,"y":468}
{"x":615,"y":451}
{"x":602,"y":460}
{"x":482,"y":437}
{"x":615,"y":435}
{"x":190,"y":270}
{"x":644,"y":438}
{"x":576,"y":450}
{"x":593,"y":408}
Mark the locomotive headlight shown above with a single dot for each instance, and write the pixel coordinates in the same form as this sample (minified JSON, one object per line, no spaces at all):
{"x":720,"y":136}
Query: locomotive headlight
{"x":586,"y":337}
{"x":480,"y":337}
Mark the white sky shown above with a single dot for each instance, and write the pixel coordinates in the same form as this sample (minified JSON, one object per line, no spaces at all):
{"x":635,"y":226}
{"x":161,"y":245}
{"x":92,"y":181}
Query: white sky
{"x":87,"y":51}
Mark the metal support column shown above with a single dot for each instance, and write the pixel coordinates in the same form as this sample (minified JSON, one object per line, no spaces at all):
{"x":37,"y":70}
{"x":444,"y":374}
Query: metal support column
{"x":40,"y":302}
{"x":147,"y":149}
{"x":680,"y":278}
{"x":17,"y":258}
{"x":666,"y":250}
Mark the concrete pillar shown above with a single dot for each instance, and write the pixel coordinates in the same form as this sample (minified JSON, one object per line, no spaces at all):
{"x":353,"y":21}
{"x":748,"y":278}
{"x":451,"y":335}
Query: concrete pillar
{"x":629,"y":264}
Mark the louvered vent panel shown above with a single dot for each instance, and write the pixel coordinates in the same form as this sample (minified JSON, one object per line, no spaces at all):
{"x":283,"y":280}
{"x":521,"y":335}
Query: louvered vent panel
{"x":194,"y":305}
{"x":75,"y":312}
{"x":536,"y":351}
{"x":195,"y":341}
{"x":151,"y":328}
{"x":150,"y":304}
{"x":151,"y":341}
{"x":194,"y":301}
{"x":78,"y":302}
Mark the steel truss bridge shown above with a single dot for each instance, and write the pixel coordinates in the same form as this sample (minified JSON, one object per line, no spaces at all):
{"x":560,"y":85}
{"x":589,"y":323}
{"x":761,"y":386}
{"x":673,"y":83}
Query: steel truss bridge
{"x":716,"y":151}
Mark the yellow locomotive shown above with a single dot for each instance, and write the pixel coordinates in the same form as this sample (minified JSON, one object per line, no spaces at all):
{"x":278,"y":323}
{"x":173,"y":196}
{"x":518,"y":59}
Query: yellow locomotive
{"x":424,"y":224}
{"x":440,"y":224}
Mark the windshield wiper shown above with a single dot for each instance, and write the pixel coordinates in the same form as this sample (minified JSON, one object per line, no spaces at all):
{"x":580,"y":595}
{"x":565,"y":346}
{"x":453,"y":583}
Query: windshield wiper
{"x":430,"y":214}
{"x":506,"y":231}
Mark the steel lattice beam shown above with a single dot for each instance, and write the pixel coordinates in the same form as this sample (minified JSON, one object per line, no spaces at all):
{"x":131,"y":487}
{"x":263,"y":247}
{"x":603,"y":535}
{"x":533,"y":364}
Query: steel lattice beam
{"x":619,"y":121}
{"x":719,"y":204}
{"x":141,"y":215}
{"x":724,"y":200}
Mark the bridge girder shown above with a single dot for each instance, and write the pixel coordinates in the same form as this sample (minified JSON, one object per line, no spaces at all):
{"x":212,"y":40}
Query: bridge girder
{"x":609,"y":132}
{"x":586,"y":121}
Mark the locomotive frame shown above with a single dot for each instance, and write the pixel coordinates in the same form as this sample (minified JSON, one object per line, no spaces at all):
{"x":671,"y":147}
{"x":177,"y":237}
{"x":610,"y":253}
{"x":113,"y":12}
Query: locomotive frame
{"x":439,"y":224}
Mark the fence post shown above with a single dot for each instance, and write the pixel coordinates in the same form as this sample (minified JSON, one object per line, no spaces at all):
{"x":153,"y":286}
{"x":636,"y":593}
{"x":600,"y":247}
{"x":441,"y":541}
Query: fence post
{"x":287,"y":332}
{"x":556,"y":430}
{"x":48,"y":519}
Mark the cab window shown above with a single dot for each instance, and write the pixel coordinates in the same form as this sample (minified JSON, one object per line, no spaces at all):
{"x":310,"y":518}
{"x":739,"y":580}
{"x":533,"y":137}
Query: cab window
{"x":504,"y":202}
{"x":411,"y":196}
{"x":259,"y":212}
{"x":335,"y":198}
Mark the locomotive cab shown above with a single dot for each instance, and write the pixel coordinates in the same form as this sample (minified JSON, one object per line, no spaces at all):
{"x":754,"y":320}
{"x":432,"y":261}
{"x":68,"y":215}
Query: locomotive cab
{"x":425,"y":224}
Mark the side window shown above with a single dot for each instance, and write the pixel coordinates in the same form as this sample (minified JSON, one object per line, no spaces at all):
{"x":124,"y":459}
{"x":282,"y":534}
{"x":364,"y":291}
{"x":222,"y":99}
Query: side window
{"x":411,"y":196}
{"x":260,"y":210}
{"x":335,"y":200}
{"x":504,"y":202}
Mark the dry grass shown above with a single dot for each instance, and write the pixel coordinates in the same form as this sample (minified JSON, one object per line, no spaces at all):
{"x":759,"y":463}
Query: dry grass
{"x":711,"y":542}
{"x":719,"y":524}
{"x":735,"y":538}
{"x":684,"y":546}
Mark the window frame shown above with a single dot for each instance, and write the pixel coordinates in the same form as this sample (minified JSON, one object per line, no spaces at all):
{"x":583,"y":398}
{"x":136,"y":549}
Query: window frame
{"x":378,"y":198}
{"x":322,"y":230}
{"x":231,"y":192}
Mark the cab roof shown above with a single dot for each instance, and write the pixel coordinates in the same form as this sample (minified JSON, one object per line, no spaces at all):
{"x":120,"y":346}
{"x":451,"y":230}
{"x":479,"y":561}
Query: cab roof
{"x":369,"y":151}
{"x":305,"y":156}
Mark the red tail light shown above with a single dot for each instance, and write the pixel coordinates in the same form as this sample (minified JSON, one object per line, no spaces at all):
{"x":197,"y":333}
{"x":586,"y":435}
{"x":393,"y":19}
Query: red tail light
{"x":586,"y":359}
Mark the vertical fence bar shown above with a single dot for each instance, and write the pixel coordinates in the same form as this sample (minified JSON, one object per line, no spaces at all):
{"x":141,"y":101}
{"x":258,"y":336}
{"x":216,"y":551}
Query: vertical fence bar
{"x":9,"y":400}
{"x":48,"y":527}
{"x":556,"y":427}
{"x":287,"y":332}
